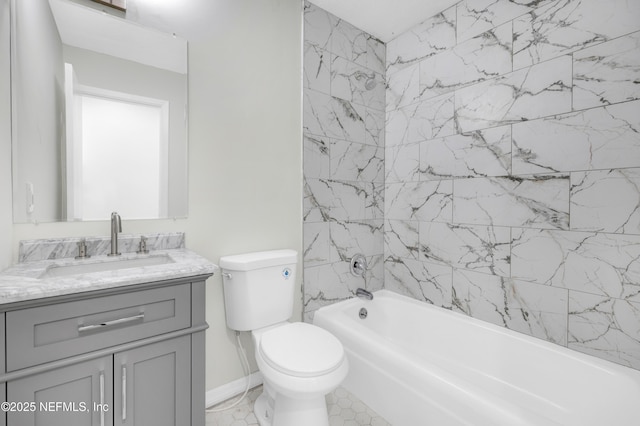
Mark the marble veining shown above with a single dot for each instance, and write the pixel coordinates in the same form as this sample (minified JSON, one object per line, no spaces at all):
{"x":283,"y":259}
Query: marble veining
{"x":351,"y":82}
{"x":403,"y":87}
{"x":356,"y":162}
{"x":605,"y":327}
{"x":479,"y":153}
{"x":606,"y":200}
{"x":348,"y":41}
{"x":434,"y":35}
{"x":317,"y":244}
{"x":329,"y":200}
{"x":424,"y":281}
{"x":318,"y":26}
{"x":476,"y":248}
{"x":538,"y":91}
{"x":376,"y":52}
{"x":564,"y":26}
{"x":482,"y":58}
{"x":595,"y":263}
{"x":317,"y":65}
{"x":329,"y":116}
{"x":344,"y":137}
{"x":59,"y":248}
{"x":401,"y":239}
{"x":374,"y":127}
{"x":351,"y":237}
{"x":505,"y":176}
{"x":423,"y":201}
{"x":332,"y":282}
{"x":521,"y":306}
{"x":421,"y":121}
{"x":607,"y":73}
{"x":26,"y":280}
{"x":477,"y":16}
{"x":402,"y":163}
{"x":535,"y":201}
{"x":597,"y":138}
{"x":316,"y":157}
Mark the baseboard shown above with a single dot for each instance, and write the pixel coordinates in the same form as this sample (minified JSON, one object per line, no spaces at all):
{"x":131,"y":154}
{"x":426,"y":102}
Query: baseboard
{"x":231,"y":389}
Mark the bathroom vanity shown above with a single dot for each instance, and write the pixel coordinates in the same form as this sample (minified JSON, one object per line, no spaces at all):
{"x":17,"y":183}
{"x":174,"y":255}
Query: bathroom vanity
{"x":103,"y":345}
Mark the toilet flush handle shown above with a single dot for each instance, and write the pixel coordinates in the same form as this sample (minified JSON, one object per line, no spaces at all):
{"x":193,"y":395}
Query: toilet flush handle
{"x":227,"y":275}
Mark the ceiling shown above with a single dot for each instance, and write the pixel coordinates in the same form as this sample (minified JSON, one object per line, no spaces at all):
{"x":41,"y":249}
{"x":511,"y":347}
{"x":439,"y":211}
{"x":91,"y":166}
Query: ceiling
{"x":195,"y":19}
{"x":384,"y":19}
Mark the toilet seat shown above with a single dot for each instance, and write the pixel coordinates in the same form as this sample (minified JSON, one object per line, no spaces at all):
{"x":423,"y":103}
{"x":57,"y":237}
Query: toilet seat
{"x":301,"y":350}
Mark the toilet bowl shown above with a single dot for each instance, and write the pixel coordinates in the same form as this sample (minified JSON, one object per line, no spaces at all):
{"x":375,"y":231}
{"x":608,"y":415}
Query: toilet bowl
{"x":300,"y":363}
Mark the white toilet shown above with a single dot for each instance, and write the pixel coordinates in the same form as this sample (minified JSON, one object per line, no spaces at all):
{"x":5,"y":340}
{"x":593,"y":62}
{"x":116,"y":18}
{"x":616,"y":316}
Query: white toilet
{"x":300,"y":363}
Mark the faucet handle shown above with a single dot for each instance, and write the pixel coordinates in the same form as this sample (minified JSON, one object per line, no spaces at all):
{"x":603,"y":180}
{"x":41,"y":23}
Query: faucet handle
{"x":82,"y":249}
{"x":142,"y":247}
{"x":358,"y":265}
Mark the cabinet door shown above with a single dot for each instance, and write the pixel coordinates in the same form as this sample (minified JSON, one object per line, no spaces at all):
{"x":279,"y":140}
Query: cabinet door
{"x":153,"y":384}
{"x":65,"y":396}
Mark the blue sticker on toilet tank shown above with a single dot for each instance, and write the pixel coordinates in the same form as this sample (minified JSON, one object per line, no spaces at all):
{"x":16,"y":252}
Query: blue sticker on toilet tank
{"x":286,"y":273}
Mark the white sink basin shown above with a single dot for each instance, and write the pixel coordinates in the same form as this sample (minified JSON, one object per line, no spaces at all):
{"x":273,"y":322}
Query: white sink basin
{"x":108,"y":265}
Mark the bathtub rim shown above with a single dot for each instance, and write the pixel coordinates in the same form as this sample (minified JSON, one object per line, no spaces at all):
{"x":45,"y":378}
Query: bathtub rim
{"x":339,"y":314}
{"x":596,"y":362}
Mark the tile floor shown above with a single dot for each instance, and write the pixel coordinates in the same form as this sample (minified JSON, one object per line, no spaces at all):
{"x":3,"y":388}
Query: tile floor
{"x":344,"y":410}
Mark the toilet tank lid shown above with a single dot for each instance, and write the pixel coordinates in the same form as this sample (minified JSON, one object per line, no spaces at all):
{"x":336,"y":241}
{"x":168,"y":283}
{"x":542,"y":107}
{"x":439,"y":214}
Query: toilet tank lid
{"x":257,"y":260}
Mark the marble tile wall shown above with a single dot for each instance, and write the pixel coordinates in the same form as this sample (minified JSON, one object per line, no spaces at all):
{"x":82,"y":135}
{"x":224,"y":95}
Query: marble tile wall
{"x":512,"y":168}
{"x":343,"y":128}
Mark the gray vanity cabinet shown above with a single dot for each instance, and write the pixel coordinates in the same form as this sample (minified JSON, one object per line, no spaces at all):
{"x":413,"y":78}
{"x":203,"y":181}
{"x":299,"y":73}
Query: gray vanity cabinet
{"x":79,"y":386}
{"x":132,"y":356}
{"x":153,"y":385}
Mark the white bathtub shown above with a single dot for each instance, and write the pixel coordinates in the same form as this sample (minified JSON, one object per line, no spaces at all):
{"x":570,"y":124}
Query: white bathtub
{"x":416,"y":364}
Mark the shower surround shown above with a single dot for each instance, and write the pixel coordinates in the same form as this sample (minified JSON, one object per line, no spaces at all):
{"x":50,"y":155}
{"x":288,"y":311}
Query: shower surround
{"x":511,"y":171}
{"x":344,"y":114}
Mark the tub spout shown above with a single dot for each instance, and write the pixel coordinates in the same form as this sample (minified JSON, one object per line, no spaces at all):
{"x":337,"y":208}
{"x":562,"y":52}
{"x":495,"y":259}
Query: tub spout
{"x":364,"y":294}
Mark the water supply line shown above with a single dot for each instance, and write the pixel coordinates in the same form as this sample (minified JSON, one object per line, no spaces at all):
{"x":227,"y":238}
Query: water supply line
{"x":245,"y":367}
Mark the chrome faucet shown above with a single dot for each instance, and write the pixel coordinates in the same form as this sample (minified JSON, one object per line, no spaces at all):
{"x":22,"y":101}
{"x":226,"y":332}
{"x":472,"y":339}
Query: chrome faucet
{"x":364,"y":294}
{"x":116,"y":226}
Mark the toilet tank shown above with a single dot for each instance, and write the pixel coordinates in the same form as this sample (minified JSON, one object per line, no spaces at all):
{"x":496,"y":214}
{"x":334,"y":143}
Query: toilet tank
{"x":258,"y":288}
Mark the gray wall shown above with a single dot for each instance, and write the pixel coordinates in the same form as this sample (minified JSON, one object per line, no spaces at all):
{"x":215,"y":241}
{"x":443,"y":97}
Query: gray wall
{"x":343,"y":157}
{"x":245,"y":155}
{"x":513,"y":169}
{"x":39,"y":95}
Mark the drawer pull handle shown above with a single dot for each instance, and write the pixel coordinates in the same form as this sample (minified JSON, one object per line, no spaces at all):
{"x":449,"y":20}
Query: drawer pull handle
{"x":83,"y":328}
{"x":102,"y":398}
{"x":124,"y":394}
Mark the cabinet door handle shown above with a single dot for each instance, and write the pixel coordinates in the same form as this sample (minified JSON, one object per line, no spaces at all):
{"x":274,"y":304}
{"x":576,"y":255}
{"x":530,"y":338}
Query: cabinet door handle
{"x":102,"y":398}
{"x":124,"y":394}
{"x":83,"y":328}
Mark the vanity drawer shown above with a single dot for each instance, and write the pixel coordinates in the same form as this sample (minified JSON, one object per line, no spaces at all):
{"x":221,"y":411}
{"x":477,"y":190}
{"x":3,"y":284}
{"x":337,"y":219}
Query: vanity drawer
{"x":47,"y":333}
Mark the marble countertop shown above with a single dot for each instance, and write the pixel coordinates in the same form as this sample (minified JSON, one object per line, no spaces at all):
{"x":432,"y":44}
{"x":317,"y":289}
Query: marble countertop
{"x":29,"y":280}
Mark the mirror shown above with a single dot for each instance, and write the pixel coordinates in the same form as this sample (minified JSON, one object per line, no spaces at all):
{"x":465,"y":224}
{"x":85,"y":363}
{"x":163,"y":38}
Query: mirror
{"x":99,"y":119}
